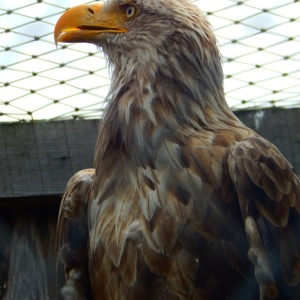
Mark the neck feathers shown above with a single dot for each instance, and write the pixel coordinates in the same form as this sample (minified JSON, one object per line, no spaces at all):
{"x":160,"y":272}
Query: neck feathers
{"x":181,"y":88}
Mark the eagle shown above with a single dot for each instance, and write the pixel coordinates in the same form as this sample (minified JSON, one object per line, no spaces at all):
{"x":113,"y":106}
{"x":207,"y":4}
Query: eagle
{"x":184,"y":201}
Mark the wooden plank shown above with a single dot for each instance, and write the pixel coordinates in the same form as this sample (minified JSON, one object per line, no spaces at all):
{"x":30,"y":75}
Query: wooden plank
{"x":19,"y":151}
{"x":27,"y":251}
{"x":39,"y":158}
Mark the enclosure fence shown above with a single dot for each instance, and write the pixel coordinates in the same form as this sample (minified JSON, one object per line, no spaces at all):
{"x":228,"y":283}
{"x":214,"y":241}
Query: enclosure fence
{"x":259,"y":43}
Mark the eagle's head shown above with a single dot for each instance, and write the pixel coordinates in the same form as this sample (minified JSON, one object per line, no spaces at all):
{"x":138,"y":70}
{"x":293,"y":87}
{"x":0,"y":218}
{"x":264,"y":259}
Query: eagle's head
{"x":140,"y":29}
{"x":164,"y":58}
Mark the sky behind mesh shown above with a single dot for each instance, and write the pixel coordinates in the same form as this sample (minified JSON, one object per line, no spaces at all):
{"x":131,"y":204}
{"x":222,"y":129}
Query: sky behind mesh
{"x":259,"y":42}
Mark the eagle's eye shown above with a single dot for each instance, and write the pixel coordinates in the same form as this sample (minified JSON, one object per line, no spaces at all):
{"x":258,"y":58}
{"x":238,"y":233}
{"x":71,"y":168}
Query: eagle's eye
{"x":130,"y":11}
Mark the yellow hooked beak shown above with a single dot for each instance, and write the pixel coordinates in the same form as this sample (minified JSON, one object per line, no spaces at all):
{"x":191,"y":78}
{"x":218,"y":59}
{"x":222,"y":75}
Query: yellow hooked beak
{"x":87,"y":23}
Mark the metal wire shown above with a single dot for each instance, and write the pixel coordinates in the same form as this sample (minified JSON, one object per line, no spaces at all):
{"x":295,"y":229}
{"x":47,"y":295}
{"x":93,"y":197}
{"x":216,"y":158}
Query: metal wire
{"x":259,"y":41}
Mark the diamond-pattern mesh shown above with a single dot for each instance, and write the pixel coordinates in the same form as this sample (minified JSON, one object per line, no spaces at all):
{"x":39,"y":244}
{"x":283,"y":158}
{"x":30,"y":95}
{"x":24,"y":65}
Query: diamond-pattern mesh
{"x":259,"y":42}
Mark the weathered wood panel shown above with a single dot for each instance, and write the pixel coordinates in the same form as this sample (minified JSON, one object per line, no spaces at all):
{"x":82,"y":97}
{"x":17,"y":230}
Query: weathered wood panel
{"x":27,"y":253}
{"x":39,"y":158}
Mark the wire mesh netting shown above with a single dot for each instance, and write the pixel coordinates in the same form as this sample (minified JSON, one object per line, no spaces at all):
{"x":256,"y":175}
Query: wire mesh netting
{"x":259,"y":42}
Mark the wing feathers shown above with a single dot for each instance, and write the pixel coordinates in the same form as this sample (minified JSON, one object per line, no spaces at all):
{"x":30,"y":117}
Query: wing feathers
{"x":265,"y":175}
{"x":72,"y":235}
{"x":267,"y":185}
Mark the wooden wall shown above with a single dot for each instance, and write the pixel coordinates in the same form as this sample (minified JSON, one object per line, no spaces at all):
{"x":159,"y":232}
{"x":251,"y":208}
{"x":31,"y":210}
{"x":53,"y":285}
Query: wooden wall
{"x":36,"y":161}
{"x":27,"y":253}
{"x":38,"y":158}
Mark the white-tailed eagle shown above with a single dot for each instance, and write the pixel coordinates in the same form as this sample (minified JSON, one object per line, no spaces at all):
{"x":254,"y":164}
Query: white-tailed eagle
{"x":185,"y":201}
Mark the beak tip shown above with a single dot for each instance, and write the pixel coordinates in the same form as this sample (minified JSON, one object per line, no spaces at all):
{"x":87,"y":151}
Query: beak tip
{"x":56,"y":42}
{"x":56,"y":35}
